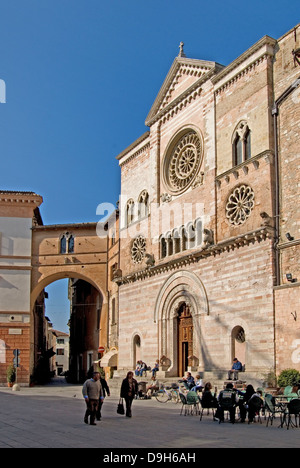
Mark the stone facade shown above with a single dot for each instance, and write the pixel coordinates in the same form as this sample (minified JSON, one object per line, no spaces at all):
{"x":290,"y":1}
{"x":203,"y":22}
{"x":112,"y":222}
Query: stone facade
{"x":200,"y":262}
{"x":208,"y":239}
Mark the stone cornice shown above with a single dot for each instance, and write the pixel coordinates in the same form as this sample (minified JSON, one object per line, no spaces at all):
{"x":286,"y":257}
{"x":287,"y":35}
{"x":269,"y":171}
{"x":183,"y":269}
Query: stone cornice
{"x":20,"y":198}
{"x":227,"y":245}
{"x":187,"y":96}
{"x":233,"y":71}
{"x":268,"y":155}
{"x":133,"y":145}
{"x":136,"y":153}
{"x":59,"y":227}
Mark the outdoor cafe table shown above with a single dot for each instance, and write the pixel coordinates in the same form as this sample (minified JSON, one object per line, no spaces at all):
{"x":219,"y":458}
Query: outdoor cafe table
{"x":282,"y":401}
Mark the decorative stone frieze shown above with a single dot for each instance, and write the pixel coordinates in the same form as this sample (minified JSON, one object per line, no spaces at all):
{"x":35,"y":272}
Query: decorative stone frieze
{"x":233,"y":243}
{"x":243,"y":169}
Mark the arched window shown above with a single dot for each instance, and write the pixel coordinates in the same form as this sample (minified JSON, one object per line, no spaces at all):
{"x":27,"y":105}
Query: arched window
{"x":247,"y":144}
{"x":67,"y":243}
{"x":129,"y":212}
{"x":176,"y":239}
{"x":63,"y":245}
{"x":113,"y":311}
{"x":71,"y":244}
{"x":199,"y":231}
{"x":143,"y":204}
{"x":241,"y":144}
{"x":163,"y":247}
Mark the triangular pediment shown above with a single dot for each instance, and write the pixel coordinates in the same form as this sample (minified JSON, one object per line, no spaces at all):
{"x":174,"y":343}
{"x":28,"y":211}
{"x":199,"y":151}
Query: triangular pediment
{"x":183,"y":75}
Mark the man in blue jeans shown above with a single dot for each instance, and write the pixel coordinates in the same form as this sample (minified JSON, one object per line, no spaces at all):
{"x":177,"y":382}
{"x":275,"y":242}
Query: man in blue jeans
{"x":236,"y":368}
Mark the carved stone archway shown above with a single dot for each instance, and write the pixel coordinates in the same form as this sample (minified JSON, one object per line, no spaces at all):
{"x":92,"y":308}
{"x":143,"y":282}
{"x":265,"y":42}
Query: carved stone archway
{"x":181,"y":287}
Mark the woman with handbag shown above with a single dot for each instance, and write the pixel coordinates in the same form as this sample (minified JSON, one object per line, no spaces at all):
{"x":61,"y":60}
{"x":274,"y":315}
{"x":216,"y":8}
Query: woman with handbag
{"x":129,"y":389}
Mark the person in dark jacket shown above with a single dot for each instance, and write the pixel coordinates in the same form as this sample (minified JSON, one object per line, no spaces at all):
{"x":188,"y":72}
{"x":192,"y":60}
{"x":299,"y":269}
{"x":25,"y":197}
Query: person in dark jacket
{"x":244,"y":402}
{"x":106,"y":391}
{"x":209,"y":399}
{"x":129,"y":389}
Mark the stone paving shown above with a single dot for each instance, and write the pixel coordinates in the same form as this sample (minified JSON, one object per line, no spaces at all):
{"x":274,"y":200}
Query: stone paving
{"x":52,"y":417}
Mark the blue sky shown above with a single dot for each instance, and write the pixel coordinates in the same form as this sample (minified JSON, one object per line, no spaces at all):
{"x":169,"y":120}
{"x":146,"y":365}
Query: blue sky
{"x":82,"y":75}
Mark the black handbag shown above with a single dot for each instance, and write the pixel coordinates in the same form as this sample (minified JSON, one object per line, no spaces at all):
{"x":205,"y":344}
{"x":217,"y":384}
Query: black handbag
{"x":120,"y":409}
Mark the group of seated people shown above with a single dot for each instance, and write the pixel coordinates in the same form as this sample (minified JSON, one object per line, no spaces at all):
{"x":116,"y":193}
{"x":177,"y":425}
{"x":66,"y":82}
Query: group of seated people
{"x":247,"y":400}
{"x":141,"y":367}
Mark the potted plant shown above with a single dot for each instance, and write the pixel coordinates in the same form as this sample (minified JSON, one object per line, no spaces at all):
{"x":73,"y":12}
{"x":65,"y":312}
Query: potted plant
{"x":289,"y":377}
{"x":10,"y":375}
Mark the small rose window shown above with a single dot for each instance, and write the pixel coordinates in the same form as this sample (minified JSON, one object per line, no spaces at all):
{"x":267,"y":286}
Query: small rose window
{"x":138,"y":249}
{"x":240,"y":205}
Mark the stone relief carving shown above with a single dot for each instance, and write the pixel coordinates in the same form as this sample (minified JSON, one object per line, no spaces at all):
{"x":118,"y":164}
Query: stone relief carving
{"x":166,"y":198}
{"x":208,"y":238}
{"x":199,"y":180}
{"x":266,"y":219}
{"x":150,"y":260}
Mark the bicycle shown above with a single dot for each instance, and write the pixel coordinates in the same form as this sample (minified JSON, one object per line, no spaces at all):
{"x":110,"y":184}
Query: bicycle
{"x":165,"y":394}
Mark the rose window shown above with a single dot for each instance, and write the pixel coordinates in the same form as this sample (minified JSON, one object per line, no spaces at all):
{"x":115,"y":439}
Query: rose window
{"x":240,"y":205}
{"x":138,"y":249}
{"x":183,"y":163}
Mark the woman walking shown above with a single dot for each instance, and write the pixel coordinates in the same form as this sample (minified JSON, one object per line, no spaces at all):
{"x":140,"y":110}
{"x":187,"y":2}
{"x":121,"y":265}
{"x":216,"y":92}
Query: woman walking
{"x":129,"y":389}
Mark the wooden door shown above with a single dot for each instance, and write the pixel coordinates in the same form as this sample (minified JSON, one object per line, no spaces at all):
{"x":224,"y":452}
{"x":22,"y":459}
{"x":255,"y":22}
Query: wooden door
{"x":185,"y":341}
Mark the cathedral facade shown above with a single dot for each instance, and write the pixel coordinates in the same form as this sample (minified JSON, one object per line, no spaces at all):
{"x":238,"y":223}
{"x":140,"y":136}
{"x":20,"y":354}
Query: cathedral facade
{"x":209,"y":217}
{"x":200,"y":263}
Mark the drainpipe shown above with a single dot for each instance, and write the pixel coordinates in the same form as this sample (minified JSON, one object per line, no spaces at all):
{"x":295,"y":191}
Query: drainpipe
{"x":275,"y":112}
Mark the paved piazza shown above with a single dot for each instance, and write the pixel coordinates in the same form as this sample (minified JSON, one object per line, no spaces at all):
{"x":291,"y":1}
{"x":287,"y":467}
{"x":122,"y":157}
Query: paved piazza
{"x":52,"y":417}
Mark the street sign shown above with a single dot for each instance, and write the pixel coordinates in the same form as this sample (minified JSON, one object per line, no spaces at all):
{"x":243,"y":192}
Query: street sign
{"x":101,"y":349}
{"x":16,"y":361}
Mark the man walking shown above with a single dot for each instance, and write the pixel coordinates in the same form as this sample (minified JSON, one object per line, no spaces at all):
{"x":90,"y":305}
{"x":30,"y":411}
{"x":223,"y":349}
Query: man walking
{"x":92,"y":393}
{"x":106,"y":391}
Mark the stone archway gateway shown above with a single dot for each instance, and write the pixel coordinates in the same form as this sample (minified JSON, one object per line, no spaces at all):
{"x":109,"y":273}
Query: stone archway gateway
{"x":83,"y":259}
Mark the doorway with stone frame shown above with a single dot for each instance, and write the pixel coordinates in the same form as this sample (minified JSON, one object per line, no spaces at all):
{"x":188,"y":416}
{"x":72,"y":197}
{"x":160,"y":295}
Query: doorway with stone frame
{"x":185,"y":338}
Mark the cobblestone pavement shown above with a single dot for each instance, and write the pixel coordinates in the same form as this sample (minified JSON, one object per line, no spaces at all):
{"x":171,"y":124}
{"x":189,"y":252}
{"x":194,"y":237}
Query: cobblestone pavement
{"x":52,"y":417}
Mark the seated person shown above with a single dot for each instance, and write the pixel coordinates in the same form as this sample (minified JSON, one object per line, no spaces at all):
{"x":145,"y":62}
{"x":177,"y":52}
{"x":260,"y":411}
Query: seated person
{"x":227,"y":401}
{"x":188,"y":381}
{"x":291,"y":392}
{"x":199,"y":384}
{"x":235,"y":369}
{"x":138,"y":368}
{"x":155,"y":368}
{"x":255,"y":403}
{"x":243,"y":402}
{"x":152,"y":387}
{"x":143,"y":368}
{"x":209,"y":399}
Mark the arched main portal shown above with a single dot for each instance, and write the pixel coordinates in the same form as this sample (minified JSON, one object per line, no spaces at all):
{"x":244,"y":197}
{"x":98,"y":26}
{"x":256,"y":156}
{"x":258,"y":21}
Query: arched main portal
{"x":180,"y":304}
